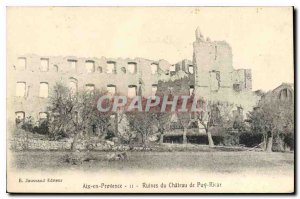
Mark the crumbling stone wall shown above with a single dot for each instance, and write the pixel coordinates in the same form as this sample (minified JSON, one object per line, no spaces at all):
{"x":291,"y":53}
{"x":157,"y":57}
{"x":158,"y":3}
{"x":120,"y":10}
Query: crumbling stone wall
{"x":212,"y":76}
{"x":59,"y":70}
{"x":215,"y":77}
{"x":23,"y":143}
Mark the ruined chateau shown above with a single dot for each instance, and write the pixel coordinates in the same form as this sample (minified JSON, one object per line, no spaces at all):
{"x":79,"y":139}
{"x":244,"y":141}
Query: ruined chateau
{"x":210,"y":75}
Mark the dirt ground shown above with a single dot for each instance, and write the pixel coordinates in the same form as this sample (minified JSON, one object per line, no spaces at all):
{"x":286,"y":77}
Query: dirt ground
{"x":207,"y":161}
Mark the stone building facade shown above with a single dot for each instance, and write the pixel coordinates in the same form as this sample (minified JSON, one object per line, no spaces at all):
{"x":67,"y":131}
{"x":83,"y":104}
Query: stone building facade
{"x":210,"y":75}
{"x":32,"y":82}
{"x":283,"y":93}
{"x":215,"y":77}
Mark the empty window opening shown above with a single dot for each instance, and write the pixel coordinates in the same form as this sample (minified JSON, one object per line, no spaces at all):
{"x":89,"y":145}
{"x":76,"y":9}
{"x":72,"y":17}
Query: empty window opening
{"x":72,"y":64}
{"x":172,"y":68}
{"x":285,"y":94}
{"x":132,"y":68}
{"x":192,"y":89}
{"x":132,"y":90}
{"x":111,"y":89}
{"x":21,"y":63}
{"x":191,"y":69}
{"x":90,"y":88}
{"x":44,"y":88}
{"x":44,"y":65}
{"x":73,"y":85}
{"x":20,"y":89}
{"x":55,"y":68}
{"x":214,"y":80}
{"x":20,"y":116}
{"x":111,"y":67}
{"x":154,"y":68}
{"x":153,"y":90}
{"x":43,"y":115}
{"x":90,"y":66}
{"x":99,"y":69}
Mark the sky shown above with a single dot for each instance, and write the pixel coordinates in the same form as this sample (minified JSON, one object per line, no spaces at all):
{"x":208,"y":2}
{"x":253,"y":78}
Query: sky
{"x":261,"y":38}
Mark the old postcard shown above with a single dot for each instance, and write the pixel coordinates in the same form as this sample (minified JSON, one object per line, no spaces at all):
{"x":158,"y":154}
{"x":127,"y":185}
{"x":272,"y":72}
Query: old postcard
{"x":150,"y":100}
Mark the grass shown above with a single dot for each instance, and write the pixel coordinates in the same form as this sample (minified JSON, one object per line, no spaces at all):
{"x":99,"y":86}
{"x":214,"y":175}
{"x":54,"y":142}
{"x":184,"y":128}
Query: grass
{"x":204,"y":161}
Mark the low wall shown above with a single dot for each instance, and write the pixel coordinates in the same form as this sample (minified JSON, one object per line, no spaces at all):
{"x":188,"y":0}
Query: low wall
{"x":23,"y":143}
{"x":33,"y":144}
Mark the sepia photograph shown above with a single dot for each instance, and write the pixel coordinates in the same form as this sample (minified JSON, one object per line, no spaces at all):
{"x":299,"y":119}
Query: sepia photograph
{"x":150,"y":99}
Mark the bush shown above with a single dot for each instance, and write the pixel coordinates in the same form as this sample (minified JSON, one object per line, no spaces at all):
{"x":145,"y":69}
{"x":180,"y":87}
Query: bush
{"x":250,"y":139}
{"x":43,"y":128}
{"x":28,"y":124}
{"x":110,"y":134}
{"x":225,"y":136}
{"x":58,"y":136}
{"x":231,"y":139}
{"x":289,"y":140}
{"x":218,"y":140}
{"x":199,"y":139}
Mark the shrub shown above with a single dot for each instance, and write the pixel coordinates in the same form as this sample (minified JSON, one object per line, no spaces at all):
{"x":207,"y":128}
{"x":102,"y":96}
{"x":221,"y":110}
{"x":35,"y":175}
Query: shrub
{"x":218,"y":140}
{"x":250,"y":139}
{"x":231,"y":139}
{"x":28,"y":124}
{"x":42,"y":128}
{"x":199,"y":139}
{"x":289,"y":140}
{"x":110,"y":134}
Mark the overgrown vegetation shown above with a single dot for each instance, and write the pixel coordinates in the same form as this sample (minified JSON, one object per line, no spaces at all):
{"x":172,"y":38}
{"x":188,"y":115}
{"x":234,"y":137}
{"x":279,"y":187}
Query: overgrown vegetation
{"x":274,"y":121}
{"x":71,"y":115}
{"x":75,"y":114}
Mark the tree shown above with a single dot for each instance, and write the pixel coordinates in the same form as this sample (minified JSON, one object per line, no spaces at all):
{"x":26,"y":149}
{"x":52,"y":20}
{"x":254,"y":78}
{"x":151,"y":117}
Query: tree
{"x":62,"y":112}
{"x":163,"y":123}
{"x":73,"y":114}
{"x":161,"y":120}
{"x":273,"y":119}
{"x":125,"y":133}
{"x":90,"y":117}
{"x":143,"y":124}
{"x":214,"y":114}
{"x":185,"y":120}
